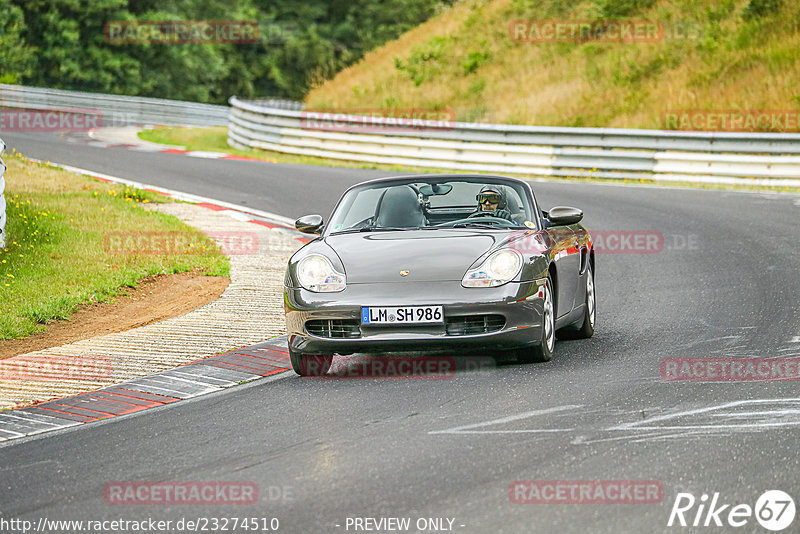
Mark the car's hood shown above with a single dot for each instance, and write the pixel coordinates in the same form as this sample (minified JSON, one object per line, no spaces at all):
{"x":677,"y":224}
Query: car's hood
{"x":427,"y":255}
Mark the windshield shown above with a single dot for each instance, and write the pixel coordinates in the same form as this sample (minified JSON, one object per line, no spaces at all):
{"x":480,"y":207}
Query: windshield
{"x":459,"y":202}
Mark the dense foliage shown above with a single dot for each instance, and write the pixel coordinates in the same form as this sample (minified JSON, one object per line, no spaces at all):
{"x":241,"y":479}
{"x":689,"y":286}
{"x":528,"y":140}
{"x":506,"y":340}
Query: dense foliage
{"x":61,"y":44}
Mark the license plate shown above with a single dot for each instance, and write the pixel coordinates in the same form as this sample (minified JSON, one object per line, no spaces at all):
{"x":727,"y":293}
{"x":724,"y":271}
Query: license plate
{"x":402,"y":315}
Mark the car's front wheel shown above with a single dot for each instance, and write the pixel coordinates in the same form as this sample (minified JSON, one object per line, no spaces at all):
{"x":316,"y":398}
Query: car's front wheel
{"x":543,"y":350}
{"x":310,"y":364}
{"x":586,"y":330}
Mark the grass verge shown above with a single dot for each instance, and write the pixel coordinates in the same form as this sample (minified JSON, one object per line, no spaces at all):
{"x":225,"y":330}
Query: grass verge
{"x":215,"y":139}
{"x":58,"y":254}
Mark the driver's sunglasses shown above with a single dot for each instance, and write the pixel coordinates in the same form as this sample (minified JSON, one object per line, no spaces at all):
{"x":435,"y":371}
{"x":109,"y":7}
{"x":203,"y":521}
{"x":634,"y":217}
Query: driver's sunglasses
{"x":491,"y":198}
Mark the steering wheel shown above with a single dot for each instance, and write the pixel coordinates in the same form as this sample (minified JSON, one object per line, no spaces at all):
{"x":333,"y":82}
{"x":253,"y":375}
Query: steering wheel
{"x":488,"y":219}
{"x":483,"y":214}
{"x":493,"y":214}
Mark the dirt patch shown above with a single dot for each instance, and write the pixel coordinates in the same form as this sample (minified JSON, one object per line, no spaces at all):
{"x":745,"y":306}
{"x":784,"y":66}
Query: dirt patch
{"x":156,"y":298}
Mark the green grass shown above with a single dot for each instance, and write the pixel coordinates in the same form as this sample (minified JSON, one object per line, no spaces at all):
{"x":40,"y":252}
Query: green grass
{"x":58,"y":254}
{"x":215,"y":140}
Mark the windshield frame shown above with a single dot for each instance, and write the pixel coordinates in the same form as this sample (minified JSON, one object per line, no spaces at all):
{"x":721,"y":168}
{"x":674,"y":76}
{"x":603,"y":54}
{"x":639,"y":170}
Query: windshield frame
{"x":440,"y":178}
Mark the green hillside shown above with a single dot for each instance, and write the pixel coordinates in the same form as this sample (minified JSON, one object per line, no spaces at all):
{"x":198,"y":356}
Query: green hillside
{"x":717,"y":55}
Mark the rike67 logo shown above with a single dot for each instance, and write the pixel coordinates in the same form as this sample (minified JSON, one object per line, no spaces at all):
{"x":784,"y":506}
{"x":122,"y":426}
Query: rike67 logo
{"x":774,"y":510}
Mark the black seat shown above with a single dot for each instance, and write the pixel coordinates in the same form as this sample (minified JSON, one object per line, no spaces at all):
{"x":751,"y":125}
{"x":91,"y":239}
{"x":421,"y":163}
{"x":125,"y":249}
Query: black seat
{"x":399,"y":207}
{"x":513,"y":207}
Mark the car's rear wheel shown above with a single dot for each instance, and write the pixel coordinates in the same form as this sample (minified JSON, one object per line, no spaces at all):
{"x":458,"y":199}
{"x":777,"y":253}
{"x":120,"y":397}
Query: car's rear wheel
{"x":543,"y":350}
{"x":310,"y":364}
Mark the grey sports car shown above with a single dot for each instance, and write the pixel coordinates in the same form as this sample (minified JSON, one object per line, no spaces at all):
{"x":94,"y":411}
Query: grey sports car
{"x":438,"y":263}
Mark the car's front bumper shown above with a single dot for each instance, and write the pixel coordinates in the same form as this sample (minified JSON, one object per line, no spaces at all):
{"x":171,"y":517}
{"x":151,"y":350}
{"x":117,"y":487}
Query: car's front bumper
{"x":517,"y":302}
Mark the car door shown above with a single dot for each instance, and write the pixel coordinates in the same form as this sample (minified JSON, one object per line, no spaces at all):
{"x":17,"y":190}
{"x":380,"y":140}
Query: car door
{"x":567,"y":258}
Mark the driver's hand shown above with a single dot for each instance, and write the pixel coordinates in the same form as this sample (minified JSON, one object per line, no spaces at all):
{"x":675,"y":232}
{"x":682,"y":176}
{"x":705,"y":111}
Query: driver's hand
{"x":503,"y":214}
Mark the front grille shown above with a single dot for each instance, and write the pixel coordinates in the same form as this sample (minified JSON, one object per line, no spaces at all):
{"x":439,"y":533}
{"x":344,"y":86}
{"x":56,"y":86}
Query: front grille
{"x":334,"y":328}
{"x":474,"y":324}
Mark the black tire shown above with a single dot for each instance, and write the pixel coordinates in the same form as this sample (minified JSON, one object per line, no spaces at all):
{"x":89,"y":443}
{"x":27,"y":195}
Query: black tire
{"x":586,"y":330}
{"x":585,"y":327}
{"x":310,"y":364}
{"x":542,"y":351}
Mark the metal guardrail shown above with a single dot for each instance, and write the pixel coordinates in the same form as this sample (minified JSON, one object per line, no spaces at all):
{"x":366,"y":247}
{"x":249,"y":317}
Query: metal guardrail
{"x":277,"y":103}
{"x":2,"y":197}
{"x":712,"y":157}
{"x":115,"y":110}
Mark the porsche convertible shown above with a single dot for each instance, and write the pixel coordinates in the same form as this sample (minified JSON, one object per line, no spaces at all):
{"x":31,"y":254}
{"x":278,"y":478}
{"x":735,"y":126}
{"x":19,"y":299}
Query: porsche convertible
{"x":439,"y":263}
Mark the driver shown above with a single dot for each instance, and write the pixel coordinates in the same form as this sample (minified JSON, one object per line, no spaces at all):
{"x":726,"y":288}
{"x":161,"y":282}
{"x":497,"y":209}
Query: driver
{"x":492,"y":202}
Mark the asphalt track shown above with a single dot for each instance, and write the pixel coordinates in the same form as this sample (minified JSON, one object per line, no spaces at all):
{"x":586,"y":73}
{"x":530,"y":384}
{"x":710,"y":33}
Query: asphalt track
{"x":725,"y":284}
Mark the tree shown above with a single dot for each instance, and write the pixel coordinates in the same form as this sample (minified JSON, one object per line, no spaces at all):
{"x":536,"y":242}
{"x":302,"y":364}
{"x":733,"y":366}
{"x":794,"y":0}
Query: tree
{"x":16,"y":57}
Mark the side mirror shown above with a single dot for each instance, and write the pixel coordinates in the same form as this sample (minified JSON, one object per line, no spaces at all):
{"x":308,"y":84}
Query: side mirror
{"x":564,"y":216}
{"x":309,"y":224}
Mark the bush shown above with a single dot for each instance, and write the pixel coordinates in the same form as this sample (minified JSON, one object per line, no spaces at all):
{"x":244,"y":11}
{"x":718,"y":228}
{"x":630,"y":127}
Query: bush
{"x":423,"y":63}
{"x":622,"y":8}
{"x":473,"y":61}
{"x":761,"y":8}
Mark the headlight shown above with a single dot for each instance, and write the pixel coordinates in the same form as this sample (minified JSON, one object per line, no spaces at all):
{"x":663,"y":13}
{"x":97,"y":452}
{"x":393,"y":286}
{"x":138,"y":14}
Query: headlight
{"x":316,"y":273}
{"x":498,"y":269}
